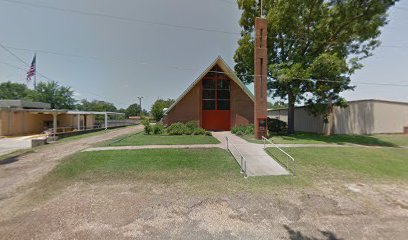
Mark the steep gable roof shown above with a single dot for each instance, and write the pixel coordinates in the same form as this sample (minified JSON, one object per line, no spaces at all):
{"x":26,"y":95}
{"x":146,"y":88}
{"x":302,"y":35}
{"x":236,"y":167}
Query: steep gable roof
{"x":226,"y":69}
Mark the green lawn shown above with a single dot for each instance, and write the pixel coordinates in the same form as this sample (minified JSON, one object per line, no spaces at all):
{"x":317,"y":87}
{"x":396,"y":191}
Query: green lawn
{"x":215,"y":171}
{"x":348,"y":163}
{"x":389,"y":140}
{"x":397,"y":139}
{"x":141,"y":139}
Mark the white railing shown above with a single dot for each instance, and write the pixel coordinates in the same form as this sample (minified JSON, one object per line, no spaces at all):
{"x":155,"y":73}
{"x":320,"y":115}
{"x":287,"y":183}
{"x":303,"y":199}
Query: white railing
{"x":242,"y":163}
{"x":289,"y":159}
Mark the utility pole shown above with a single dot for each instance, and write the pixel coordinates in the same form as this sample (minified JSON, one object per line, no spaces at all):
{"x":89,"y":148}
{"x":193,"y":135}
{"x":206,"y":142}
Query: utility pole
{"x":140,"y":104}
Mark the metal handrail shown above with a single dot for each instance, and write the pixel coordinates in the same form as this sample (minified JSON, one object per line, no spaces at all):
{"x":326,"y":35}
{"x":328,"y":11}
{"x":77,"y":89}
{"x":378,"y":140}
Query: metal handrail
{"x":243,"y":164}
{"x":287,"y":154}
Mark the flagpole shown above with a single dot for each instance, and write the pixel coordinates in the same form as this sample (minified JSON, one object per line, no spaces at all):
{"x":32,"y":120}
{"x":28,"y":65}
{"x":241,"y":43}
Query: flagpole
{"x":35,"y":74}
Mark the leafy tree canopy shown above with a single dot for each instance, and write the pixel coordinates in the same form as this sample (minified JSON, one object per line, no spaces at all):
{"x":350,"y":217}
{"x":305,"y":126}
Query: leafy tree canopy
{"x":96,"y":105}
{"x":133,"y":110}
{"x":10,"y":90}
{"x":311,"y":40}
{"x":158,"y":106}
{"x":60,"y":97}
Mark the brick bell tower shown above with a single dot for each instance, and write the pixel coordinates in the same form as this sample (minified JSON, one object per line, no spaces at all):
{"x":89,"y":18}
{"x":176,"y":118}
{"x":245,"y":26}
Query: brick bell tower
{"x":261,"y":65}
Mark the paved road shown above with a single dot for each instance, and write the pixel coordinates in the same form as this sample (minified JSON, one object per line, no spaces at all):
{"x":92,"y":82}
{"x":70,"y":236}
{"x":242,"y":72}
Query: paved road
{"x":17,"y":176}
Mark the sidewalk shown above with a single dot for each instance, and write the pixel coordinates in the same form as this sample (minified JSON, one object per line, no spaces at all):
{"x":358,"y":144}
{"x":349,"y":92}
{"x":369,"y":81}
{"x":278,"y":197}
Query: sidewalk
{"x":258,"y":162}
{"x":153,"y":147}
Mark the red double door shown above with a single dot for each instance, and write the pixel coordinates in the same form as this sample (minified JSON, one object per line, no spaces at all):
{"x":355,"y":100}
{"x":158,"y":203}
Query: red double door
{"x":216,"y":113}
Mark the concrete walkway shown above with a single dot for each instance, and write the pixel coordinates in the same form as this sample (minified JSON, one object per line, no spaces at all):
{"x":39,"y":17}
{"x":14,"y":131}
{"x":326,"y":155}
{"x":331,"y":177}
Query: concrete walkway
{"x":154,"y":147}
{"x":258,"y":162}
{"x":11,"y":144}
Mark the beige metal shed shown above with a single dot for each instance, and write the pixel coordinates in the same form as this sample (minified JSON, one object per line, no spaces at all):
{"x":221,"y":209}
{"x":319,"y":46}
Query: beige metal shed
{"x":370,"y":116}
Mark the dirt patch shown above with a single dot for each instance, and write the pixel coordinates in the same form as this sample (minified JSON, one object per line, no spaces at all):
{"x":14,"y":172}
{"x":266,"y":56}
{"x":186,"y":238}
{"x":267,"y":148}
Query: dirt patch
{"x":17,"y":176}
{"x":129,"y":210}
{"x":319,"y":204}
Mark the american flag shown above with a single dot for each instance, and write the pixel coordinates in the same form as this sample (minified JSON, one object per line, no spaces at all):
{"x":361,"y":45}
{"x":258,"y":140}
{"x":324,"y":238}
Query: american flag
{"x":32,"y":70}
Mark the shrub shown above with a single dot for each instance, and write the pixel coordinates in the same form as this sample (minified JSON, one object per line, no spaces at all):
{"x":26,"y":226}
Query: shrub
{"x":147,"y":127}
{"x":250,"y":129}
{"x":238,"y":128}
{"x":199,"y":131}
{"x":242,"y":130}
{"x":207,"y":133}
{"x":192,"y":125}
{"x":239,"y":133}
{"x":158,"y":129}
{"x":276,"y":125}
{"x":177,"y":128}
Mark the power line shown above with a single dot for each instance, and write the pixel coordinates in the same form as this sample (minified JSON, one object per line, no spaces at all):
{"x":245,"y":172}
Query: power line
{"x":240,"y":75}
{"x":127,"y":19}
{"x":44,"y":76}
{"x":154,"y":23}
{"x":222,"y":72}
{"x":136,"y":62}
{"x":11,"y":65}
{"x":120,"y":18}
{"x":358,"y":83}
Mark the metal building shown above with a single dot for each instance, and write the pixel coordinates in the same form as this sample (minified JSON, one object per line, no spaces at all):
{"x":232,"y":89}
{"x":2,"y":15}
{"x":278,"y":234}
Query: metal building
{"x":370,"y":116}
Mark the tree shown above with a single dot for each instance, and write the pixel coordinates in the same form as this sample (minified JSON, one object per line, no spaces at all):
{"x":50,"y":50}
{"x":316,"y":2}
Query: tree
{"x":158,"y":106}
{"x":133,"y":110}
{"x":60,"y":97}
{"x":314,"y":46}
{"x":277,"y":105}
{"x":96,"y":105}
{"x":10,"y":90}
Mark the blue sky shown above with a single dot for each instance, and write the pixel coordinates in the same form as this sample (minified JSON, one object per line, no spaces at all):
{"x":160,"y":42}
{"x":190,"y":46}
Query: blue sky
{"x":155,"y":61}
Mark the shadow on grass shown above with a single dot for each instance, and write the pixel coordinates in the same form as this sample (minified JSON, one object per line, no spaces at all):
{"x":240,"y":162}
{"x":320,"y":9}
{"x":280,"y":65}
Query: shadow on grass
{"x":9,"y":160}
{"x":14,"y":156}
{"x":297,"y":235}
{"x":337,"y":139}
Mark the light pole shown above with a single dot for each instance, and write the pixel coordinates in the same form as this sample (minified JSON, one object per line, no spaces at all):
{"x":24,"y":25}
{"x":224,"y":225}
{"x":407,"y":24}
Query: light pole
{"x":140,"y":104}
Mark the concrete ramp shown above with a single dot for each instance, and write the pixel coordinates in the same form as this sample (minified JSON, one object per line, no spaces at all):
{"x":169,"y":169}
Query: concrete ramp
{"x":258,"y":162}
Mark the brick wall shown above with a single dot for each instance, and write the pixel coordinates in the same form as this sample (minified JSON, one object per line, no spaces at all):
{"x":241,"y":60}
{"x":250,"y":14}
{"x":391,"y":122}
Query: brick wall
{"x":242,"y":107}
{"x":187,"y":109}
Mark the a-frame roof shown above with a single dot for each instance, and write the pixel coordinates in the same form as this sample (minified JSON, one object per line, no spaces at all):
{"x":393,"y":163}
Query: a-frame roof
{"x":226,"y":69}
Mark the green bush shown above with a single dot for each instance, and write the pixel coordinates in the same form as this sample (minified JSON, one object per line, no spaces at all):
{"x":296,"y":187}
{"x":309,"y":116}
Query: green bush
{"x":207,"y":133}
{"x":239,"y":133}
{"x":189,"y":128}
{"x":243,"y":130}
{"x":250,"y":129}
{"x":276,"y":125}
{"x":192,"y":125}
{"x":158,"y":129}
{"x":238,"y":128}
{"x":177,"y":128}
{"x":199,"y":131}
{"x":147,"y":127}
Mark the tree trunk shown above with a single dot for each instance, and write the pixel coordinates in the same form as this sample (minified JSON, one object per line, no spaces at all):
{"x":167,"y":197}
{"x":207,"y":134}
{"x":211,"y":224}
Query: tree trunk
{"x":329,"y":126}
{"x":291,"y":114}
